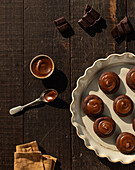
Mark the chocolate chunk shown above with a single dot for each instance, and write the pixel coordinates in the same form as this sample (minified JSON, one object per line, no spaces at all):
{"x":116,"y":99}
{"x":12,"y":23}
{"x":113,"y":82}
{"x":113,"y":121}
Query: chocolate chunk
{"x":84,"y":24}
{"x":114,"y":33}
{"x":94,"y":13}
{"x":87,"y":8}
{"x":64,"y":27}
{"x":126,"y":26}
{"x":60,"y":21}
{"x":89,"y":18}
{"x":92,"y":21}
{"x":122,"y":28}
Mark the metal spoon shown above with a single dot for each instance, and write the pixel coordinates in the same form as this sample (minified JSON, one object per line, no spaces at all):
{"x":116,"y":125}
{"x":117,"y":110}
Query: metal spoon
{"x":44,"y":97}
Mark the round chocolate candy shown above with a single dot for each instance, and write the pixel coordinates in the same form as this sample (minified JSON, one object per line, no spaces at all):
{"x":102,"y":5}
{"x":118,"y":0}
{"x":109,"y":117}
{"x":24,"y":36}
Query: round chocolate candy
{"x":123,"y":105}
{"x":125,"y":142}
{"x":109,"y":82}
{"x":104,"y":126}
{"x":130,"y":78}
{"x":93,"y":106}
{"x":133,"y":124}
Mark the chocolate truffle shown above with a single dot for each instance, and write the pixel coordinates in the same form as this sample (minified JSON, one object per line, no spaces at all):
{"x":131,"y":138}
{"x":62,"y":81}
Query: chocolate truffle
{"x":125,"y":142}
{"x":104,"y":126}
{"x":109,"y":82}
{"x":130,"y":78}
{"x":133,"y":124}
{"x":123,"y":105}
{"x":93,"y":106}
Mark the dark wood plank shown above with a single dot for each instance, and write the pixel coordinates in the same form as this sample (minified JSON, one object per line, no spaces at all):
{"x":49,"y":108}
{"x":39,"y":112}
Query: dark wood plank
{"x":85,"y":50}
{"x":11,"y":78}
{"x":48,"y":124}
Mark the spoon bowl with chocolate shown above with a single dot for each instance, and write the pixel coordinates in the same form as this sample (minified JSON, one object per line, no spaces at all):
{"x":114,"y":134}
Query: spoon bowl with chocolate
{"x":46,"y":96}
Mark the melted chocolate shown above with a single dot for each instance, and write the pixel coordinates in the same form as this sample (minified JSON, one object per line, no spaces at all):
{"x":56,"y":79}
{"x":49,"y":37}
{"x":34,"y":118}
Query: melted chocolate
{"x":109,"y":82}
{"x":92,"y":106}
{"x":123,"y":105}
{"x":42,"y":67}
{"x":104,"y":126}
{"x":130,"y":78}
{"x":125,"y":142}
{"x":133,"y":124}
{"x":133,"y":77}
{"x":50,"y":96}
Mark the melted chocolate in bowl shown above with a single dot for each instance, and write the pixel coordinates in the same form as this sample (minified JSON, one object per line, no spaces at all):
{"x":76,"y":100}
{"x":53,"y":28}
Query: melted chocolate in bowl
{"x":42,"y":66}
{"x":50,"y":96}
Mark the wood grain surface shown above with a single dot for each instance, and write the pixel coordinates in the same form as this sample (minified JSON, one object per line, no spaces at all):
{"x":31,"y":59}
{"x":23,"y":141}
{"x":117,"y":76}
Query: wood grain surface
{"x":27,"y":29}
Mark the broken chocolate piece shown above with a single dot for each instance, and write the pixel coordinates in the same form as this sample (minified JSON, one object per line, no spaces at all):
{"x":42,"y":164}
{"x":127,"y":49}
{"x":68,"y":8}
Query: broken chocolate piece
{"x":84,"y":24}
{"x":114,"y":33}
{"x":126,"y":26}
{"x":89,"y":18}
{"x":94,"y":13}
{"x":87,"y":8}
{"x":121,"y":29}
{"x":60,"y":21}
{"x":64,"y":27}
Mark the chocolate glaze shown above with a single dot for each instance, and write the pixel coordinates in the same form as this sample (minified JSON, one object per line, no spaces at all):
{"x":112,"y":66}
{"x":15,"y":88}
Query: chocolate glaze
{"x":109,"y":82}
{"x":123,"y":105}
{"x":133,"y":124}
{"x":130,"y":78}
{"x":104,"y":126}
{"x":125,"y":142}
{"x":50,"y":96}
{"x":92,"y":106}
{"x":42,"y":66}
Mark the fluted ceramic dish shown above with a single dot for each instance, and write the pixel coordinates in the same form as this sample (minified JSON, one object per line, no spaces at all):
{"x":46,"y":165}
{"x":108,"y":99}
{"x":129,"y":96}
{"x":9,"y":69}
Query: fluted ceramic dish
{"x":88,"y":84}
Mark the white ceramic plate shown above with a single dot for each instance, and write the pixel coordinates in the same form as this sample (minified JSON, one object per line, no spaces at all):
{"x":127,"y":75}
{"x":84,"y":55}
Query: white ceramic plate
{"x":88,"y":84}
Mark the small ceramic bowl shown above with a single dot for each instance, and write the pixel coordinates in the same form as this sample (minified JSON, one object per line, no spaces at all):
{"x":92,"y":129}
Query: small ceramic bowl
{"x":40,"y":60}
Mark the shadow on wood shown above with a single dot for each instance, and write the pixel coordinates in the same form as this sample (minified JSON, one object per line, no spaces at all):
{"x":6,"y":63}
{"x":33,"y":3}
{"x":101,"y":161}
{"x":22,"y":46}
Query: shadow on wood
{"x":57,"y":81}
{"x":59,"y":103}
{"x":128,"y":37}
{"x":113,"y":166}
{"x":97,"y":28}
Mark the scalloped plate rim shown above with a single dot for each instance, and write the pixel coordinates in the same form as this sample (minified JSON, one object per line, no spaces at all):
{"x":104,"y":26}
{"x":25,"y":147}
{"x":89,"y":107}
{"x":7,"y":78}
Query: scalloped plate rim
{"x":76,"y":88}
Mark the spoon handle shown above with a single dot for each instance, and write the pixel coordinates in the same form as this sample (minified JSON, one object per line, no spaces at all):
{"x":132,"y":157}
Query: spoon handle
{"x":15,"y":110}
{"x":20,"y":108}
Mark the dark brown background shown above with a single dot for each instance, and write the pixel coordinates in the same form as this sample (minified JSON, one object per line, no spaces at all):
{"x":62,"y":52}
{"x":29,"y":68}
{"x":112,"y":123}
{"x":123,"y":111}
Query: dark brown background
{"x":26,"y":30}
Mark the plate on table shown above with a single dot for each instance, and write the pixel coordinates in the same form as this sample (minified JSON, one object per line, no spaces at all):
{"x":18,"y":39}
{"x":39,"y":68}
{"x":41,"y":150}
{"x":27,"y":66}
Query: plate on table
{"x":88,"y":84}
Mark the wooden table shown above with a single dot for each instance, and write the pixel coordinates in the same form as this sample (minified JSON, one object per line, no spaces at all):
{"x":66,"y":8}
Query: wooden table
{"x":26,"y":30}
